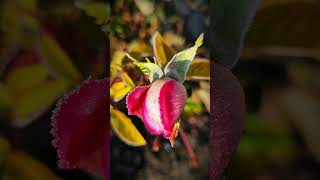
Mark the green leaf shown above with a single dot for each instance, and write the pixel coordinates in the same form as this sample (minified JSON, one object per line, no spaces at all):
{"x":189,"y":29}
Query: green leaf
{"x":125,"y":129}
{"x":58,"y":60}
{"x":139,"y":47}
{"x":161,"y":50}
{"x":178,"y":66}
{"x":199,"y":70}
{"x":151,"y":70}
{"x":121,"y":86}
{"x":230,"y":22}
{"x":192,"y":107}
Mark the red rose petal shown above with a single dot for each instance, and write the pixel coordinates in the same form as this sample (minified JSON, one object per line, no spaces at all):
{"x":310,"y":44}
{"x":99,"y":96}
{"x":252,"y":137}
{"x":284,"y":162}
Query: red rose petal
{"x":135,"y":100}
{"x":80,"y":123}
{"x":227,"y":123}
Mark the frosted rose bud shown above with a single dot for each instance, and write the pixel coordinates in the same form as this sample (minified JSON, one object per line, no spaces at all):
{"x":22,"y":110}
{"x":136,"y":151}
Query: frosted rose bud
{"x":159,"y":105}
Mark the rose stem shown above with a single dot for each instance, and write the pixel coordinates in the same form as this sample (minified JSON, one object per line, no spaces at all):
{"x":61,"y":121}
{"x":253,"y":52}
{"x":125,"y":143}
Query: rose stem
{"x":156,"y":144}
{"x":192,"y":154}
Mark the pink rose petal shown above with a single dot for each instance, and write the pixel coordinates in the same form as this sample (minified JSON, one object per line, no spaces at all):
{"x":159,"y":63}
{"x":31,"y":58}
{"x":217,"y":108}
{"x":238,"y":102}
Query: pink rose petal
{"x":80,"y":125}
{"x":172,"y":100}
{"x":228,"y":111}
{"x":151,"y":108}
{"x":164,"y":104}
{"x":159,"y":105}
{"x":135,"y":100}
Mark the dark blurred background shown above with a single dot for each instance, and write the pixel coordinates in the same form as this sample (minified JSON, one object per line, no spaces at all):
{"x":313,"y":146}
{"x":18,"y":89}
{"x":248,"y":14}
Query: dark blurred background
{"x":279,"y":70}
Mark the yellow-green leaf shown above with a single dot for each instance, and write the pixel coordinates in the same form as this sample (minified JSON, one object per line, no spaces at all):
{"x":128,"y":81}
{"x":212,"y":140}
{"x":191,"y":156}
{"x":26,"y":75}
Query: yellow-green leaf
{"x":23,"y":78}
{"x":116,"y":62}
{"x":98,"y":10}
{"x":151,"y":70}
{"x":161,"y":50}
{"x":125,"y":129}
{"x":21,"y":166}
{"x":199,"y":70}
{"x":59,"y":60}
{"x":121,"y":86}
{"x":178,"y":66}
{"x":139,"y":47}
{"x":31,"y":104}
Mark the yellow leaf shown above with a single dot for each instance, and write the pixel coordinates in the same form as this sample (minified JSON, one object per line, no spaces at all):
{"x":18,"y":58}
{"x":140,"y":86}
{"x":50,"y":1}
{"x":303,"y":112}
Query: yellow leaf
{"x":121,"y":87}
{"x":116,"y":62}
{"x":173,"y":40}
{"x":139,"y":47}
{"x":59,"y":60}
{"x":145,"y":6}
{"x":204,"y":94}
{"x":32,"y":103}
{"x":199,"y":70}
{"x":21,"y":166}
{"x":161,"y":50}
{"x":23,"y":78}
{"x":125,"y":129}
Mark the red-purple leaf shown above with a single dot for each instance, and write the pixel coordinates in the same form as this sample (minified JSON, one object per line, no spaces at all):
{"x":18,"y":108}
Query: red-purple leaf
{"x":227,"y":113}
{"x":80,"y":126}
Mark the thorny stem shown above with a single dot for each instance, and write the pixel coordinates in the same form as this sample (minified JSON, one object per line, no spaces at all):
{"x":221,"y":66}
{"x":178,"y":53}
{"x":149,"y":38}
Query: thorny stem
{"x":192,"y":154}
